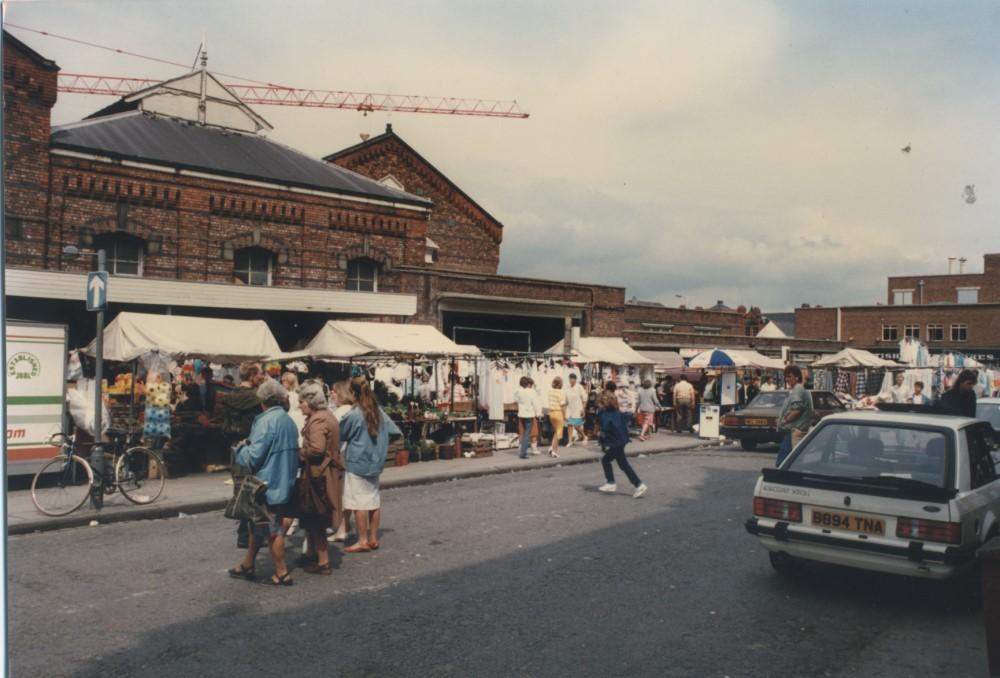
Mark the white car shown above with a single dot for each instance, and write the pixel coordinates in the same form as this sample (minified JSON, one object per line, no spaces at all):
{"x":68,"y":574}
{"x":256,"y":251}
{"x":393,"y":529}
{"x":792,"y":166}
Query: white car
{"x":988,"y":409}
{"x":902,"y":493}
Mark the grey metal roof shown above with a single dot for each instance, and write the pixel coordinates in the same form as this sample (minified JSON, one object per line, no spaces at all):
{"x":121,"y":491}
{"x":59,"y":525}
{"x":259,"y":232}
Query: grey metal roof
{"x":165,"y":141}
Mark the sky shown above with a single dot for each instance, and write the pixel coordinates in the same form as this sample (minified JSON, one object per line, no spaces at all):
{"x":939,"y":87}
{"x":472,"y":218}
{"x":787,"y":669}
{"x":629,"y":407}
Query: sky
{"x":689,"y":151}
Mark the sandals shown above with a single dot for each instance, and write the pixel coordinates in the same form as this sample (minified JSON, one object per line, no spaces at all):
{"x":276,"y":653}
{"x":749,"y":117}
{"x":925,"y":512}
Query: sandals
{"x":283,"y":580}
{"x":358,"y":548}
{"x":373,"y":545}
{"x":316,"y":568}
{"x":240,"y":572}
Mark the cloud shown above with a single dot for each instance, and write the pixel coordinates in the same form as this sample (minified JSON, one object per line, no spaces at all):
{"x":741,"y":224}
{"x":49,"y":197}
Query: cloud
{"x":728,"y":150}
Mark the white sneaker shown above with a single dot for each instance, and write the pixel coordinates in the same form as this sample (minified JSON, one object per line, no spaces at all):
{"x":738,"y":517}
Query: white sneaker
{"x":608,"y":487}
{"x":552,"y":453}
{"x":639,"y":491}
{"x":535,"y":450}
{"x":585,"y":440}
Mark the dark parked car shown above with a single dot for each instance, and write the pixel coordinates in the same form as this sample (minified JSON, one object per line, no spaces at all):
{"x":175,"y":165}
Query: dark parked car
{"x":758,"y":422}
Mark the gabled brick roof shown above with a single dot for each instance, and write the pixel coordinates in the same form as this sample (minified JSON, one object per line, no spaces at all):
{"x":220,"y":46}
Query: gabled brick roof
{"x":351,"y":155}
{"x":41,"y":61}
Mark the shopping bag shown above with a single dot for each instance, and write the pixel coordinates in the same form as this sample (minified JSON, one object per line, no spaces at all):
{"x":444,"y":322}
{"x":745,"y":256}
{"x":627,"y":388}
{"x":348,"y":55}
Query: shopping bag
{"x":248,"y":501}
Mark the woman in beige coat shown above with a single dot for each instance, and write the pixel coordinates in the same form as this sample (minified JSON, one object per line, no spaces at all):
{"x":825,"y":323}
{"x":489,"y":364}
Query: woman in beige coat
{"x":321,"y":461}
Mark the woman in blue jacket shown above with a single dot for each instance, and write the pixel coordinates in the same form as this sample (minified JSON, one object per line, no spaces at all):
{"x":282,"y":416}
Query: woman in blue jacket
{"x":365,"y":433}
{"x":613,"y":439}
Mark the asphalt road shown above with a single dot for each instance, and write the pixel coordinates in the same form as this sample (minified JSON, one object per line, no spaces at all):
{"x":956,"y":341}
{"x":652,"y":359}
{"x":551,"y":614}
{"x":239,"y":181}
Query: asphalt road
{"x":526,"y":574}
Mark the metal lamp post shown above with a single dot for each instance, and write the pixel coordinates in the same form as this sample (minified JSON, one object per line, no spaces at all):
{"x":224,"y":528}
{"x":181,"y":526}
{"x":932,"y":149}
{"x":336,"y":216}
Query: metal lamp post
{"x":97,"y":449}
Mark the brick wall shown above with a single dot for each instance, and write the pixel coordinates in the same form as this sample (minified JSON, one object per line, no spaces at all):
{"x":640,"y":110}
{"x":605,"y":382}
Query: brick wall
{"x":815,"y":323}
{"x":468,"y":237}
{"x":29,"y":88}
{"x":602,"y":306}
{"x":643,"y":318}
{"x":942,"y":289}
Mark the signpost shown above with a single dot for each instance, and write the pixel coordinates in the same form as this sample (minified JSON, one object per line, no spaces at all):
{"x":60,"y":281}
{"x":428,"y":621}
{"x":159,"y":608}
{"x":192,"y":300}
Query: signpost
{"x":97,"y":301}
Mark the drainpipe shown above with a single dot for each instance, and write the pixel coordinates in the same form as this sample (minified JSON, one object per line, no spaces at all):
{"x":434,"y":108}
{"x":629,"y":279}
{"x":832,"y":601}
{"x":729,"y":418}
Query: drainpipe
{"x":921,"y":286}
{"x":838,"y":323}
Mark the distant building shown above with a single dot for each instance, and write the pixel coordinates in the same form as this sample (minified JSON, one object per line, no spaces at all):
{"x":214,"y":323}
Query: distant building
{"x":952,"y":312}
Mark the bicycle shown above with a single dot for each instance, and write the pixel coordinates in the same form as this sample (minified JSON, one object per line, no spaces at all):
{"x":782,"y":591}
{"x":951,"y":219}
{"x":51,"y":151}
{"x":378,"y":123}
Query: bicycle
{"x":138,"y":474}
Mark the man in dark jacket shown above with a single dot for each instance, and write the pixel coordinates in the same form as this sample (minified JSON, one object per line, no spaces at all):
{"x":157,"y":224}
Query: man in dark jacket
{"x":241,"y":405}
{"x":960,"y":399}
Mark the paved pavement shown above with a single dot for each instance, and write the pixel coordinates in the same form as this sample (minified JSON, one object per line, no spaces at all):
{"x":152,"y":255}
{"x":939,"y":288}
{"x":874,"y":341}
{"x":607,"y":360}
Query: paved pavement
{"x":206,"y":492}
{"x":533,"y":574}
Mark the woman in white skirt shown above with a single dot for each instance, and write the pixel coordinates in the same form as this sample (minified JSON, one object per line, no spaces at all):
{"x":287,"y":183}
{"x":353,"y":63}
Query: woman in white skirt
{"x":365,"y":431}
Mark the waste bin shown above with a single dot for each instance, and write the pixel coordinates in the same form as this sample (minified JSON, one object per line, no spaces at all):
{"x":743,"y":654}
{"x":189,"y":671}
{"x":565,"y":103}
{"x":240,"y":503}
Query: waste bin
{"x":708,"y":421}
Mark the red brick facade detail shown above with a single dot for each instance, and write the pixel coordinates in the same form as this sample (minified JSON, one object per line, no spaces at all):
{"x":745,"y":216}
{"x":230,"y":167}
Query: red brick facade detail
{"x":29,"y":92}
{"x":468,"y":237}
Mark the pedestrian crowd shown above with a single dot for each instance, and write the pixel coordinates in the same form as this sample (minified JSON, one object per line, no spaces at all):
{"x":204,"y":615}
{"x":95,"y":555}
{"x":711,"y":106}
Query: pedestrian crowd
{"x":319,"y":453}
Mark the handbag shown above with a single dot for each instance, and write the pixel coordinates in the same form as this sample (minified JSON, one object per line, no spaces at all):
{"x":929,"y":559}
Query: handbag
{"x":248,"y":501}
{"x":308,"y":500}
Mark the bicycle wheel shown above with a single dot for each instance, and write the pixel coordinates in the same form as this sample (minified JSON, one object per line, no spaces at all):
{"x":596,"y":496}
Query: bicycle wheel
{"x":140,"y":475}
{"x":62,"y":485}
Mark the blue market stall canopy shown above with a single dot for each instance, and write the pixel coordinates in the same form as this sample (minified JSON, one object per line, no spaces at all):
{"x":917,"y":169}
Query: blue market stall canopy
{"x":721,"y":358}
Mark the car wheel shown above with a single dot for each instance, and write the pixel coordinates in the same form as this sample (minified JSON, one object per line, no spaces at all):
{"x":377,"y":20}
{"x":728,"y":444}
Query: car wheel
{"x":782,"y":563}
{"x":748,"y":445}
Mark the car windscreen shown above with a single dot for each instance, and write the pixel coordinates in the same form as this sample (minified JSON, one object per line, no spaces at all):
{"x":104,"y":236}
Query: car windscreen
{"x":772,"y":400}
{"x":990,"y":412}
{"x":876,"y":453}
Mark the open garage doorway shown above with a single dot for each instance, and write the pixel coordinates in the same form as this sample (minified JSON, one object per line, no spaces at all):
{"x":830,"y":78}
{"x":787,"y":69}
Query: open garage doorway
{"x":503,"y":332}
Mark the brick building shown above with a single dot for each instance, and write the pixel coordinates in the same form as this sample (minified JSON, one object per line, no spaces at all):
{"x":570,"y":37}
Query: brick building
{"x":201,"y":214}
{"x":954,"y":312}
{"x":950,"y":288}
{"x":656,"y":327}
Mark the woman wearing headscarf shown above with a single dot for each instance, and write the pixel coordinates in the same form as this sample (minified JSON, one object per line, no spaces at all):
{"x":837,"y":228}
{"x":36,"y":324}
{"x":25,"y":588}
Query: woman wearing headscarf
{"x":320,"y":461}
{"x":365,"y":430}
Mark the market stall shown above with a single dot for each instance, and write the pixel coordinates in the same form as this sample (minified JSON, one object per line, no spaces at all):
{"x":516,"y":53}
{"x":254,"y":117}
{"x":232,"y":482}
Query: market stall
{"x":423,"y":380}
{"x":852,"y":371}
{"x":608,"y":359}
{"x":158,"y":361}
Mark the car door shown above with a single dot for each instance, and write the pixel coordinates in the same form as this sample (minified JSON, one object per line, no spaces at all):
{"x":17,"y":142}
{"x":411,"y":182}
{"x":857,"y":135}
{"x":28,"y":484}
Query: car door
{"x":983,"y":501}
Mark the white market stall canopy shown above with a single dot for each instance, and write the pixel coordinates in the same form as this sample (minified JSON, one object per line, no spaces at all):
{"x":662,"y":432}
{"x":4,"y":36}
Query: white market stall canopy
{"x":854,"y":357}
{"x":608,"y":350}
{"x":666,"y":360}
{"x":132,"y":335}
{"x":354,"y":339}
{"x":772,"y":331}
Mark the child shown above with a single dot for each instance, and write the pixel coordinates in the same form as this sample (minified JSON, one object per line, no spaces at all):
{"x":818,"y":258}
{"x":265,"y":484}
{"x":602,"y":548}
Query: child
{"x":613,"y":438}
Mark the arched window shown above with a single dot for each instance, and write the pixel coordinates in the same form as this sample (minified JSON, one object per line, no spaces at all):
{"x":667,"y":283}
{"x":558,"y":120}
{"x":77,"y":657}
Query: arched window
{"x":124,"y":253}
{"x":253,"y":266}
{"x":362,"y":275}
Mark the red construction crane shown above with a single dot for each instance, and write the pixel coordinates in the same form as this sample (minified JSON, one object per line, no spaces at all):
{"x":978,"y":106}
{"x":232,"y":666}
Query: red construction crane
{"x":278,"y":95}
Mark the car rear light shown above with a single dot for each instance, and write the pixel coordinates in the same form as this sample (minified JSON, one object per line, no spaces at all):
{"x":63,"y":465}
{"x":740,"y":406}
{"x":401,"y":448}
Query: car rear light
{"x":928,"y":530}
{"x":777,"y":509}
{"x":730,"y":421}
